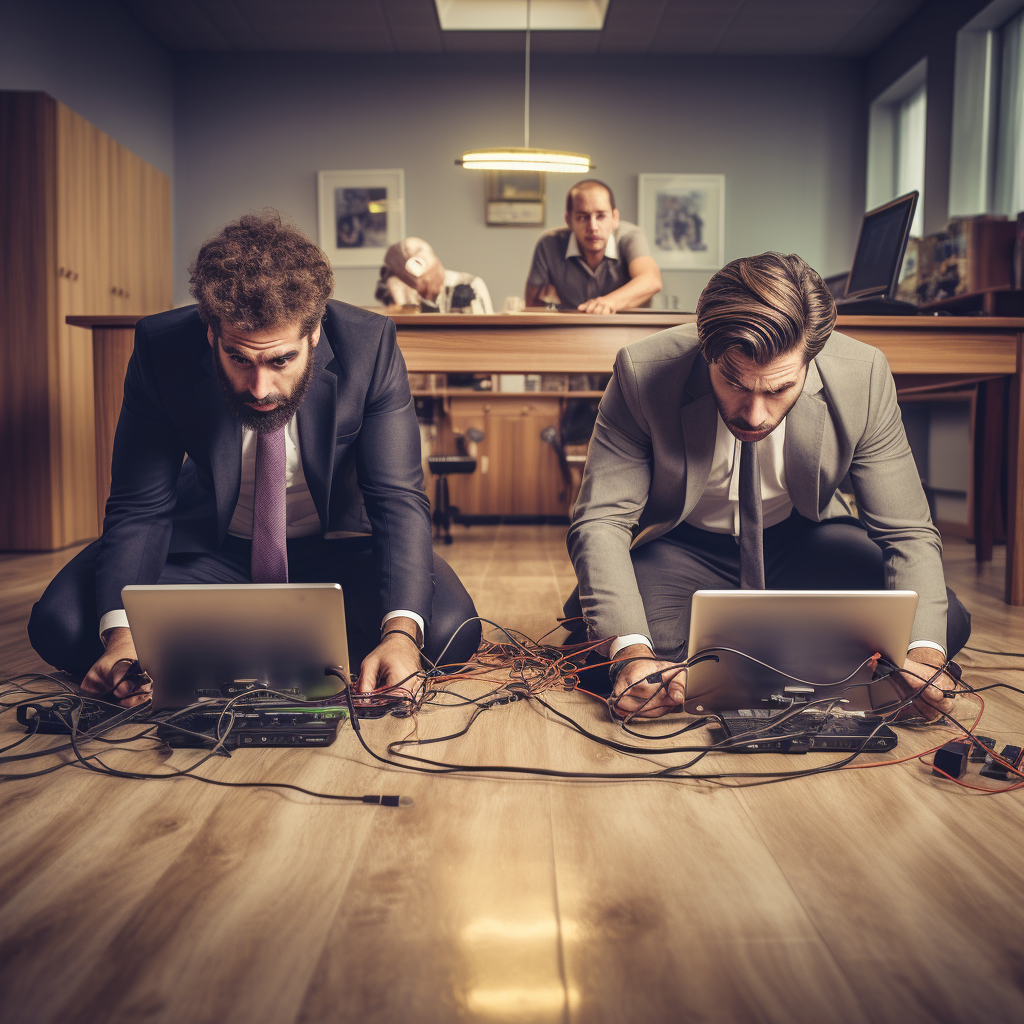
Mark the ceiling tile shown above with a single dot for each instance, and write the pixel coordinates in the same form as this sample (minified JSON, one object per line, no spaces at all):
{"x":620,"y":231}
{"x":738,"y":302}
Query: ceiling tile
{"x":413,"y":25}
{"x":630,"y":25}
{"x":848,"y":27}
{"x":876,"y":26}
{"x":694,"y":26}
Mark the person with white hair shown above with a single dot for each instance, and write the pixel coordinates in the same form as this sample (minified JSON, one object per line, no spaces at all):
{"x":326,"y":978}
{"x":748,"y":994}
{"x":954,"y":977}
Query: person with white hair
{"x":413,"y":275}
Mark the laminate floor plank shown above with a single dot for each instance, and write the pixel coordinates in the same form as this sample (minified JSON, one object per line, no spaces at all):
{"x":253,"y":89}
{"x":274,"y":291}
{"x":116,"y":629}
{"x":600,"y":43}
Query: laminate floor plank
{"x":673,"y":908}
{"x":924,"y":927}
{"x":453,"y":915}
{"x":98,"y":863}
{"x":878,"y":895}
{"x":23,"y":577}
{"x":233,"y":926}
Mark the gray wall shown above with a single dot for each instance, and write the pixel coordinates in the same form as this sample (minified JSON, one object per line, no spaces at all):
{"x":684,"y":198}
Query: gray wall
{"x":789,"y":134}
{"x":95,"y":58}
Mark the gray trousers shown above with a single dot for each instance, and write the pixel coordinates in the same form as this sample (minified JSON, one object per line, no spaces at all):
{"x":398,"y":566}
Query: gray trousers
{"x":799,"y":554}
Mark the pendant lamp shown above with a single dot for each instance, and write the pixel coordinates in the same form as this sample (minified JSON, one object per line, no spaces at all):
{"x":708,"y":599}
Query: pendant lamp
{"x":523,"y":158}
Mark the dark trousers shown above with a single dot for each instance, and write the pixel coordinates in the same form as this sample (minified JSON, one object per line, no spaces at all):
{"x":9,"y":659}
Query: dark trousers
{"x":799,"y":554}
{"x":64,"y":625}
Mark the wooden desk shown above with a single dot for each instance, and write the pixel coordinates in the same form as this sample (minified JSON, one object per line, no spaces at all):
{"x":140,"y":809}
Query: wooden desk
{"x":923,"y":352}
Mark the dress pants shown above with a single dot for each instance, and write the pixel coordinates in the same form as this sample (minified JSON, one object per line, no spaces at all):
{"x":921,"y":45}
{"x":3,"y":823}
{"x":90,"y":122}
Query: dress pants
{"x":799,"y":554}
{"x":64,"y":625}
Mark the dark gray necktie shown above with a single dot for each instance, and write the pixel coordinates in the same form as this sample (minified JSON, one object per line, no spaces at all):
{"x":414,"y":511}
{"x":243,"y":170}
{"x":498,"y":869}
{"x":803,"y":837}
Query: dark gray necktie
{"x":269,"y":511}
{"x":751,"y":532}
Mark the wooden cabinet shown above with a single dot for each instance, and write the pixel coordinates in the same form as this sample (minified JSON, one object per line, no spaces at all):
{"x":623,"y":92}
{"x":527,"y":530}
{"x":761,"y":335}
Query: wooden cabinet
{"x":517,"y":473}
{"x":85,"y":228}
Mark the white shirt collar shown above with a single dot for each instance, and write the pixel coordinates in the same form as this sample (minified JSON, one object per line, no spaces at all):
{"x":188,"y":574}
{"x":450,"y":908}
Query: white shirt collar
{"x":611,"y":249}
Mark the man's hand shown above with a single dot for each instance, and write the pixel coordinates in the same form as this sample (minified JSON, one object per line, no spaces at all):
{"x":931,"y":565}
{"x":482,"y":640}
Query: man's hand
{"x":920,"y":666}
{"x":657,"y":696}
{"x":394,"y":662}
{"x":107,"y":676}
{"x":599,"y":305}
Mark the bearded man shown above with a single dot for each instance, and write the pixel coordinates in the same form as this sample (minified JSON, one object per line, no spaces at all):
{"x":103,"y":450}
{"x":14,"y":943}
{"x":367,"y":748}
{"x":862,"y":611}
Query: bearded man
{"x":267,"y":435}
{"x":716,"y":462}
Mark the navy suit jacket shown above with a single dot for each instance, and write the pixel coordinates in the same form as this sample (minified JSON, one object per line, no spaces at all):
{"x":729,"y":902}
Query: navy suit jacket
{"x":177,"y":458}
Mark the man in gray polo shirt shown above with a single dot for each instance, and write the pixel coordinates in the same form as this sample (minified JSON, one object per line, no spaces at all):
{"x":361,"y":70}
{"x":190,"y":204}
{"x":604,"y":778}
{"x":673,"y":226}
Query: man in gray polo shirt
{"x":597,"y":263}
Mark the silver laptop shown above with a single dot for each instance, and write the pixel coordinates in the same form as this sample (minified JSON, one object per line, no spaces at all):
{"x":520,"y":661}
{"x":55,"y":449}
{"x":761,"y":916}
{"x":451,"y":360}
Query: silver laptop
{"x":817,"y":636}
{"x":217,"y":640}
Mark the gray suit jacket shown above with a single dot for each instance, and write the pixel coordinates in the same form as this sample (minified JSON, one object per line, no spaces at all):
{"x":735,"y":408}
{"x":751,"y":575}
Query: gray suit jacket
{"x":651,"y":454}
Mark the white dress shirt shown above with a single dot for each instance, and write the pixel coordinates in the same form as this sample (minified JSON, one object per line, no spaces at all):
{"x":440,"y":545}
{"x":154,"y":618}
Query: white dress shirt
{"x":301,"y":516}
{"x":718,"y":508}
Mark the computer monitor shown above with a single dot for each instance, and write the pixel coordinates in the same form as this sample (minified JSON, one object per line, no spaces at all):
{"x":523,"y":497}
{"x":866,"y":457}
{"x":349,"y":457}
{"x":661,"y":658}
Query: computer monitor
{"x":880,"y":249}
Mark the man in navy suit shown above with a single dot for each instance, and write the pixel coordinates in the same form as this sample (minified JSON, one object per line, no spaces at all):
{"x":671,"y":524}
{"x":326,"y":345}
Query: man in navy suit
{"x":267,"y":433}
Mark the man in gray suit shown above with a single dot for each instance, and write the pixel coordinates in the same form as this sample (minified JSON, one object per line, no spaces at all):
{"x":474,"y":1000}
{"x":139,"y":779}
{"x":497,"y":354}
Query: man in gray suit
{"x":716,"y":462}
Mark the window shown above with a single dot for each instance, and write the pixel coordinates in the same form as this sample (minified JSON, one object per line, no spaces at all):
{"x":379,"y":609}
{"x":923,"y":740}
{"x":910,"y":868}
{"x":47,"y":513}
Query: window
{"x":896,"y":142}
{"x":1009,"y":183}
{"x":986,"y":169}
{"x":909,"y":170}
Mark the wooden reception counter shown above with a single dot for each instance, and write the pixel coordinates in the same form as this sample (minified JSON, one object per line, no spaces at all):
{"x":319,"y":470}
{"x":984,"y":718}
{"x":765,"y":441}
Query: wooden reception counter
{"x":925,"y":353}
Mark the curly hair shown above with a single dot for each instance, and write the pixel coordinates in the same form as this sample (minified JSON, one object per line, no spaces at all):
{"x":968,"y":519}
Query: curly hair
{"x":768,"y":305}
{"x":258,"y":274}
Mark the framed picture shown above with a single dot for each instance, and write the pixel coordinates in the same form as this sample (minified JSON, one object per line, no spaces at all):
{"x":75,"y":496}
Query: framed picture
{"x":361,"y":213}
{"x":514,"y":198}
{"x":683,"y":216}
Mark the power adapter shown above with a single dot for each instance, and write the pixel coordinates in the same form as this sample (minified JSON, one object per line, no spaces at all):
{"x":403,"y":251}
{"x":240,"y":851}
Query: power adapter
{"x":992,"y":769}
{"x":951,"y":759}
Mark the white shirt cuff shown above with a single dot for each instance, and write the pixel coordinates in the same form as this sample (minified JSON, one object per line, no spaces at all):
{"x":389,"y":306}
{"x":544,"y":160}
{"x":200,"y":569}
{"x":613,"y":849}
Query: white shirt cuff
{"x":418,"y":619}
{"x":628,"y":640}
{"x":927,"y":643}
{"x":119,"y":617}
{"x":112,"y":620}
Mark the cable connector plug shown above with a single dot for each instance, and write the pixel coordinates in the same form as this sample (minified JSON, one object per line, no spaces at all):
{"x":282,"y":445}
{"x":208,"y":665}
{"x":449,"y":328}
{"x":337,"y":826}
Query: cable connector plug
{"x":388,"y":801}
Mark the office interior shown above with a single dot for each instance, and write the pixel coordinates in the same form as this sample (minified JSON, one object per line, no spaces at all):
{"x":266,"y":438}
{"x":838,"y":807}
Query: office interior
{"x":883,"y":894}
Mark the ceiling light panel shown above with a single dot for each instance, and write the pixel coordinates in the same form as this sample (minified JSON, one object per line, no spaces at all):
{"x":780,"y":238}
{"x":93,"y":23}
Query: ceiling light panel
{"x":510,"y":15}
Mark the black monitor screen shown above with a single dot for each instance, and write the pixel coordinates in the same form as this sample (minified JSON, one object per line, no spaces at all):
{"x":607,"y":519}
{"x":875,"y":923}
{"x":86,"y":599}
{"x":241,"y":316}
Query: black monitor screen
{"x":880,"y":248}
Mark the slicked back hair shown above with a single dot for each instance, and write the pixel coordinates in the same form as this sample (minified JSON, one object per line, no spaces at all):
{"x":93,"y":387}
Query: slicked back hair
{"x":259,"y":274}
{"x":585,"y":184}
{"x":768,"y":305}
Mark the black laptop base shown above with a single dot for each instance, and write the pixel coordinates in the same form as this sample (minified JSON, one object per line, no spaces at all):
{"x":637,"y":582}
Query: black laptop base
{"x":248,"y":730}
{"x":273,"y":724}
{"x":805,"y":732}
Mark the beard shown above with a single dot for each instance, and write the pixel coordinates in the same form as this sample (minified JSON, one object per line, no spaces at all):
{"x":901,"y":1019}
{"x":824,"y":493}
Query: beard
{"x":253,"y":419}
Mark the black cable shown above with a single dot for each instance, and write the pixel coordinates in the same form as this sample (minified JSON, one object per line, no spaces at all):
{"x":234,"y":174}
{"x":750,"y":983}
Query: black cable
{"x":445,"y":768}
{"x":1001,"y":654}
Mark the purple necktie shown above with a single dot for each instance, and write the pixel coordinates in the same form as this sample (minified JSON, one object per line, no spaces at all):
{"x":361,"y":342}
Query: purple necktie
{"x":269,"y":518}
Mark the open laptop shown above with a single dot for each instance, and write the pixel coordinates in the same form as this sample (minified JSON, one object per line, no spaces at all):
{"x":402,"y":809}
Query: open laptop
{"x":814,"y":645}
{"x":212,"y":642}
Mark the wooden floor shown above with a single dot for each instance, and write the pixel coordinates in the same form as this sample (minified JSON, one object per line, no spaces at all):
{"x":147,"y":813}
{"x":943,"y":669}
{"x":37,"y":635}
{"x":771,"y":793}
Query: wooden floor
{"x":882,"y":895}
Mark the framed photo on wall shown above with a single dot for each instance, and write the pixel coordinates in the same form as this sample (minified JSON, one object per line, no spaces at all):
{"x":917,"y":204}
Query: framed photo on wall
{"x":361,"y":213}
{"x":683,"y":216}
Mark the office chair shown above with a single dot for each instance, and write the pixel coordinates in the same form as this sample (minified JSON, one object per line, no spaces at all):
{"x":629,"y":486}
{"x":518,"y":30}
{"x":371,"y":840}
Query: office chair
{"x":443,"y":466}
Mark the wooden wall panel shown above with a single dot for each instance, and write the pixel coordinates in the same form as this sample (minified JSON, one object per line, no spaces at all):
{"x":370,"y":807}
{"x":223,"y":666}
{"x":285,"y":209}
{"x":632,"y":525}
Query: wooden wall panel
{"x":74,"y":453}
{"x":28,"y":317}
{"x":85,"y":229}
